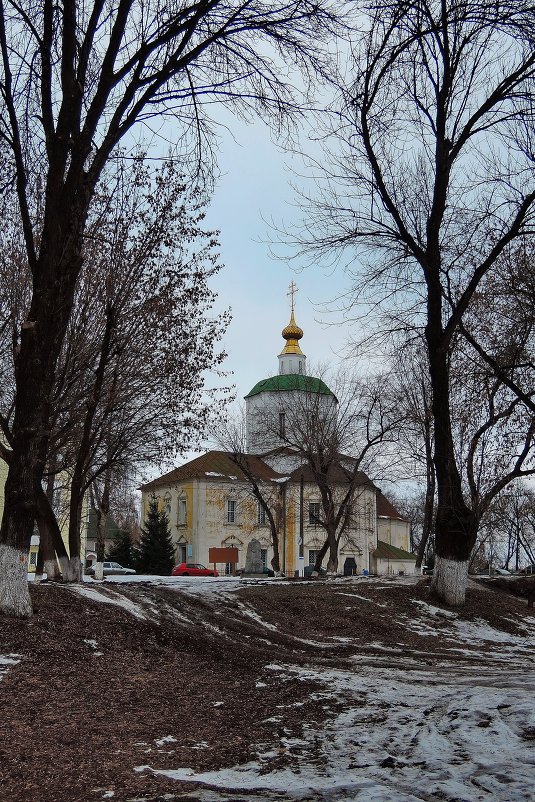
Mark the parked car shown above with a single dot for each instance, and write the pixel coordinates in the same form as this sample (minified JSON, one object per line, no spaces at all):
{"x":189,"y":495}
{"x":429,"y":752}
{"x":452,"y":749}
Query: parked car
{"x":493,"y":572}
{"x":110,"y":569}
{"x":193,"y":569}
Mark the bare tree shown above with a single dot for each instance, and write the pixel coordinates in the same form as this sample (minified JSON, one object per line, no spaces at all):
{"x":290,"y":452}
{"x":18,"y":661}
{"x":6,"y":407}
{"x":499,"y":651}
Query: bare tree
{"x":432,"y":181}
{"x":148,"y":323}
{"x":75,"y":79}
{"x":130,"y":379}
{"x":409,"y":382}
{"x":508,"y":531}
{"x":230,"y":435}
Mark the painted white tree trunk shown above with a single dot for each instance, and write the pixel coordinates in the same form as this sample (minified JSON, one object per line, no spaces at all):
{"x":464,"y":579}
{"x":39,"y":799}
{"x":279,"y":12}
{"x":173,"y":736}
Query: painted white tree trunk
{"x":71,"y":569}
{"x":14,"y":594}
{"x":449,"y":580}
{"x":50,"y":568}
{"x":64,"y":568}
{"x":99,"y":570}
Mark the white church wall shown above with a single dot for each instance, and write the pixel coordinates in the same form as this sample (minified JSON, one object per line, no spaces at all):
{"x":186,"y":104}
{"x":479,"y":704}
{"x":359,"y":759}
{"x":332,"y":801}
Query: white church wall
{"x":394,"y":531}
{"x":263,"y":419}
{"x":395,"y":568}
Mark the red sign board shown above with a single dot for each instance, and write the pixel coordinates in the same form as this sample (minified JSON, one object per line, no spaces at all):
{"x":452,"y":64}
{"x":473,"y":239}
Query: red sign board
{"x":226,"y":555}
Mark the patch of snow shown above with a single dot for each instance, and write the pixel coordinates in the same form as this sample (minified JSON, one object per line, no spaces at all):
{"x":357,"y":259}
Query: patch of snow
{"x":112,"y":597}
{"x":93,"y":644}
{"x":468,"y":631}
{"x":167,"y":739}
{"x":443,"y":730}
{"x":362,"y":598}
{"x":251,"y":613}
{"x":7,"y":661}
{"x":251,"y":776}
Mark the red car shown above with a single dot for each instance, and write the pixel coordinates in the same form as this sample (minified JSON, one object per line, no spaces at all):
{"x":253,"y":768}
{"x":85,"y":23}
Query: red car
{"x":192,"y":569}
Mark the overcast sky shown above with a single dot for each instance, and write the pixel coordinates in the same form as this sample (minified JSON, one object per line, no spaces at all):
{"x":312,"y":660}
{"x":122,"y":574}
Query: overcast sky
{"x":254,"y":189}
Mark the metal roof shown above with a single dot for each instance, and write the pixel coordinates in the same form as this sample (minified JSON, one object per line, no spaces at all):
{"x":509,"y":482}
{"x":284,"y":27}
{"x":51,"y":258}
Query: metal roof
{"x":290,"y":381}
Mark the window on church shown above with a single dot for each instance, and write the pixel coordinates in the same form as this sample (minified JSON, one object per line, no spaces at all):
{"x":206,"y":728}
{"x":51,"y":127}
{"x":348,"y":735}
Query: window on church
{"x":260,"y":515}
{"x":263,"y":557}
{"x":314,"y":511}
{"x":300,"y":366}
{"x":182,"y":511}
{"x":282,"y":424}
{"x":167,"y":504}
{"x":231,"y":511}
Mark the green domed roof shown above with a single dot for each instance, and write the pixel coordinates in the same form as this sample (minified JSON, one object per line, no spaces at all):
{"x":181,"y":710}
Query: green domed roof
{"x":290,"y":381}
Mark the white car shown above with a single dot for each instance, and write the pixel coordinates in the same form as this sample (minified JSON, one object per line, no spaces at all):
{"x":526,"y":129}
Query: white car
{"x":110,"y":568}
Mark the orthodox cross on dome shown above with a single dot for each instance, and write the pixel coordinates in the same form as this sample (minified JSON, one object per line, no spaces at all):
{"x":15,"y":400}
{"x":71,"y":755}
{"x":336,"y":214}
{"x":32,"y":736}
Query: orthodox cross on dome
{"x":292,"y":289}
{"x":292,"y":333}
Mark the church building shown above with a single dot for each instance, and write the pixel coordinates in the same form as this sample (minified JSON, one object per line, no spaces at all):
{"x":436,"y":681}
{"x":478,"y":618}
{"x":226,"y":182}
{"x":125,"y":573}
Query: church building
{"x":210,"y":501}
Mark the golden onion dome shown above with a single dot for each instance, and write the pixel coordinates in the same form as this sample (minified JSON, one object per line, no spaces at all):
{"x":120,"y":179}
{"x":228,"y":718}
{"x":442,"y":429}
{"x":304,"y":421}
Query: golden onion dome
{"x":292,"y":333}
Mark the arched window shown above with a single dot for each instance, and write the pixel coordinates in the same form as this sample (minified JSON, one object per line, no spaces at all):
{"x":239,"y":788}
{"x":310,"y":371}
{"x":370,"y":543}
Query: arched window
{"x":182,"y":511}
{"x":231,"y":511}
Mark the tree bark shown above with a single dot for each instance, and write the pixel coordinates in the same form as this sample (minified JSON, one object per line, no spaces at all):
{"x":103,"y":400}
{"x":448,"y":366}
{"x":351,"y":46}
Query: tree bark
{"x":449,"y":580}
{"x":75,"y":520}
{"x":103,"y":509}
{"x":51,"y":541}
{"x":319,"y":559}
{"x":455,"y":529}
{"x":41,"y":338}
{"x":332,"y":563}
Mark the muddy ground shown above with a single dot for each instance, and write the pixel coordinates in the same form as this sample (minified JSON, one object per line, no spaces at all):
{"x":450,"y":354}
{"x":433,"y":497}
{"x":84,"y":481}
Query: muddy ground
{"x":99,"y":688}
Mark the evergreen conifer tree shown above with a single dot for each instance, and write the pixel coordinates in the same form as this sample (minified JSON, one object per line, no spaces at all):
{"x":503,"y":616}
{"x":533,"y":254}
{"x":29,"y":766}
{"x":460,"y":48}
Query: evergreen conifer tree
{"x":156,"y":550}
{"x":123,"y":550}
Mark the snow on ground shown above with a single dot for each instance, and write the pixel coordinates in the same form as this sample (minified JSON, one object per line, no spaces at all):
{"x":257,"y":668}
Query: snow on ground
{"x":108,"y":597}
{"x":190,"y":584}
{"x":409,"y":729}
{"x":7,"y":661}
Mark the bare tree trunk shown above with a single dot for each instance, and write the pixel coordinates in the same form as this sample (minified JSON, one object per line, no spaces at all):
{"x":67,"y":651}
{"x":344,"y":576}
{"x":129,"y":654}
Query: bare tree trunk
{"x":319,"y":559}
{"x":427,"y":528}
{"x":75,"y":521}
{"x":275,"y":560}
{"x":51,"y":540}
{"x":455,"y":523}
{"x":429,"y":504}
{"x":41,"y":337}
{"x":23,"y":480}
{"x":103,"y":509}
{"x":47,"y":554}
{"x":332,"y":563}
